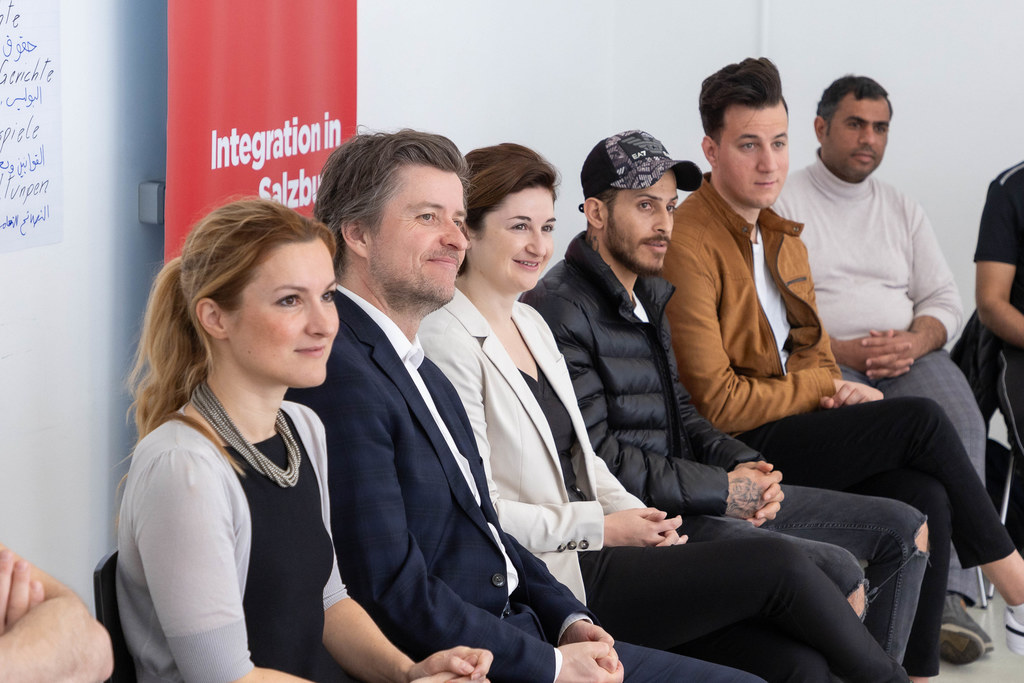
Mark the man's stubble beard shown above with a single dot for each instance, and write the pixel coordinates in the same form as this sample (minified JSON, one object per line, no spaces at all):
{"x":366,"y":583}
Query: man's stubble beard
{"x":624,"y":252}
{"x":418,"y":297}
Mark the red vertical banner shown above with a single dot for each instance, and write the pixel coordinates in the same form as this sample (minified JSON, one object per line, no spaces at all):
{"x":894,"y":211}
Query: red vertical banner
{"x":258,"y":94}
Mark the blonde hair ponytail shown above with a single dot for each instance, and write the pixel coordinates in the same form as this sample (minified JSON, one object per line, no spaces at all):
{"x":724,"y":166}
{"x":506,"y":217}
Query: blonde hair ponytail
{"x":172,"y":359}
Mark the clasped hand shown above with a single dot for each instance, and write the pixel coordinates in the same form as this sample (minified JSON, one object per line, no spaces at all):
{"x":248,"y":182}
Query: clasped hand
{"x":882,"y":354}
{"x":457,"y":665}
{"x":588,"y":654}
{"x":642,"y":527}
{"x":755,"y":492}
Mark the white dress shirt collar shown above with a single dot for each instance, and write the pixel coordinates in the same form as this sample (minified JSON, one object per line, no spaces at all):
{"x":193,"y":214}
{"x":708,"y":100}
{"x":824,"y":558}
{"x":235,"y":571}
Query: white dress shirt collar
{"x":411,"y":352}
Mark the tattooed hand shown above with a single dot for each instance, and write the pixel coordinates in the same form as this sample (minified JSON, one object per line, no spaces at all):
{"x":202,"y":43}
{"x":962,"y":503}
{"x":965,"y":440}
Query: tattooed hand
{"x":754,"y":492}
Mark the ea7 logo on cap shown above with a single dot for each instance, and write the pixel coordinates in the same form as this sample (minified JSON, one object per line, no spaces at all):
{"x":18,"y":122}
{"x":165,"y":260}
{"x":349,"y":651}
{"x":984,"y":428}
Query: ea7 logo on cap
{"x":638,"y":147}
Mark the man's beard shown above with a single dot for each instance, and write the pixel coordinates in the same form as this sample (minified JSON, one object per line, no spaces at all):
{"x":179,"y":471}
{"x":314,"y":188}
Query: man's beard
{"x":625,"y":252}
{"x":417,"y":296}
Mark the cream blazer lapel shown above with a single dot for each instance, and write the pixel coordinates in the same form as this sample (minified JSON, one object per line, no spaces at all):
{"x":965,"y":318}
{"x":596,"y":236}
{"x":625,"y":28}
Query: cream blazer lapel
{"x":550,"y":361}
{"x":592,"y":474}
{"x":496,"y":354}
{"x":477,"y":326}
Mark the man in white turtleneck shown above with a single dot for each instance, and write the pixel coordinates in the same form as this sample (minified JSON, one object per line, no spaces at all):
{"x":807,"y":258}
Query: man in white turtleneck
{"x":884,"y":291}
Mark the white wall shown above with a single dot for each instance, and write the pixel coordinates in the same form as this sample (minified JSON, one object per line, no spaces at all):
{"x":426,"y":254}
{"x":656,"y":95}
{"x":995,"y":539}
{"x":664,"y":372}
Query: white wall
{"x":69,"y":314}
{"x":557,"y":76}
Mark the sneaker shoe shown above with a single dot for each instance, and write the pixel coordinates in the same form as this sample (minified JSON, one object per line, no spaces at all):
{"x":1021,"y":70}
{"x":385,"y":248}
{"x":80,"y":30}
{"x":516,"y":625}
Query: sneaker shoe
{"x":968,"y":621}
{"x":1015,"y":629}
{"x":962,"y":640}
{"x":963,"y":617}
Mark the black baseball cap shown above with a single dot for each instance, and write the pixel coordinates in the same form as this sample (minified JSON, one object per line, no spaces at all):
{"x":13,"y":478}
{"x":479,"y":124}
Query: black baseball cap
{"x":633,"y":160}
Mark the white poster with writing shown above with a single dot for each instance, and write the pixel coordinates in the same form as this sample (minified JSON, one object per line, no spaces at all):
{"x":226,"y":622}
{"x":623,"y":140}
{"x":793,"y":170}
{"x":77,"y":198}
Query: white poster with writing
{"x":30,"y":137}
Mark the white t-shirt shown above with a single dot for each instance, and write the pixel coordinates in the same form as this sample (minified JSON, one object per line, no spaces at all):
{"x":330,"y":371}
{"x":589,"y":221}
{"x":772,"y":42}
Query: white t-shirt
{"x":639,"y":310}
{"x":771,"y":300}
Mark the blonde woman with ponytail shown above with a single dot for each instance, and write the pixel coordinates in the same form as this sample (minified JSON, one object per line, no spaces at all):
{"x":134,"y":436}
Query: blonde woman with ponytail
{"x":226,"y":567}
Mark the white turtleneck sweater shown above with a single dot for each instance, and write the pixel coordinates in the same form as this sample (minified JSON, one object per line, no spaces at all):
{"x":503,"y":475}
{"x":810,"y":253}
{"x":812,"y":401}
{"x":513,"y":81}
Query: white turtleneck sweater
{"x":874,"y":257}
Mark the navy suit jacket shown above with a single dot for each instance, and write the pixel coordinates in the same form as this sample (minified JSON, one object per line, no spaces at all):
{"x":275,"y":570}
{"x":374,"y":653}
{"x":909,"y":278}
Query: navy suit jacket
{"x":413,"y":545}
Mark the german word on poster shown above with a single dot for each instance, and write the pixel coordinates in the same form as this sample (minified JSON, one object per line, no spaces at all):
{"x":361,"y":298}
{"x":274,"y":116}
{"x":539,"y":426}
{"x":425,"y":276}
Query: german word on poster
{"x":30,"y":138}
{"x":259,"y":92}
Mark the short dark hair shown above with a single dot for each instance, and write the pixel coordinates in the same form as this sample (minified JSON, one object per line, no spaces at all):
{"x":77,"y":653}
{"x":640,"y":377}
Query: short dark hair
{"x":361,"y":177}
{"x":752,"y":83}
{"x":860,"y":86}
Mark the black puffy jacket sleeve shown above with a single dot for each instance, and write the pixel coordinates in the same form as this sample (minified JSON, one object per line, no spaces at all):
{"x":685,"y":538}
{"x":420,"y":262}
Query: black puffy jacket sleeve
{"x":708,"y":445}
{"x":675,"y":484}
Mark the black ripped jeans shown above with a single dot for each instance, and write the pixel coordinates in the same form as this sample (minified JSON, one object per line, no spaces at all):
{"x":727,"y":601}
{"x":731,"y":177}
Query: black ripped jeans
{"x":902,"y":448}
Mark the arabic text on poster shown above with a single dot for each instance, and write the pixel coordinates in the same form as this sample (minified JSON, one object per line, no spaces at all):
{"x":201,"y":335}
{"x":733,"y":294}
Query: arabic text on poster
{"x":30,"y":140}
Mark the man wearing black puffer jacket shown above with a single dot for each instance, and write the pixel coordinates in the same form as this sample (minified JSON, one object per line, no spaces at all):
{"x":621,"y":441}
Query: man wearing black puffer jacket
{"x":605,"y":305}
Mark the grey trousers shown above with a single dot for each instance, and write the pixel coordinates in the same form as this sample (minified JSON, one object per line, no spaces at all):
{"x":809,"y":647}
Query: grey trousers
{"x":937,"y":377}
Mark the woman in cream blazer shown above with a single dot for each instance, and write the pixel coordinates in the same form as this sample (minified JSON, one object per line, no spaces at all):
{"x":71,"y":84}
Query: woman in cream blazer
{"x":624,"y":560}
{"x":525,"y":476}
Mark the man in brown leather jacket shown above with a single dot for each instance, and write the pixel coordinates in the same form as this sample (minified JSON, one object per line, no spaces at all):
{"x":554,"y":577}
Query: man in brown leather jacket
{"x":752,"y":352}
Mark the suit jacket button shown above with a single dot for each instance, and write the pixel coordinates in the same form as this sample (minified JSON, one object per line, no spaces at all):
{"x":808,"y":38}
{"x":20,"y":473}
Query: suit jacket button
{"x":584,"y":544}
{"x":571,"y":545}
{"x":498,"y":580}
{"x":561,"y":548}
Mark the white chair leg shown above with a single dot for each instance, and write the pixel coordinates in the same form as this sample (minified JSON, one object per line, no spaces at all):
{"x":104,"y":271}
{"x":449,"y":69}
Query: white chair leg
{"x":982,"y":592}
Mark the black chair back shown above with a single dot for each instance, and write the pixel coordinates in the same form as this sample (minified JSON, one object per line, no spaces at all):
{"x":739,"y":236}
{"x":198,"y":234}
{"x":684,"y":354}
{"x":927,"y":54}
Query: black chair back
{"x":108,"y":615}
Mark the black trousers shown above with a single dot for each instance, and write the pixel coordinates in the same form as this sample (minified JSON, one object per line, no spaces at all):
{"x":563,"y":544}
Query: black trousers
{"x":902,"y":448}
{"x":760,"y":605}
